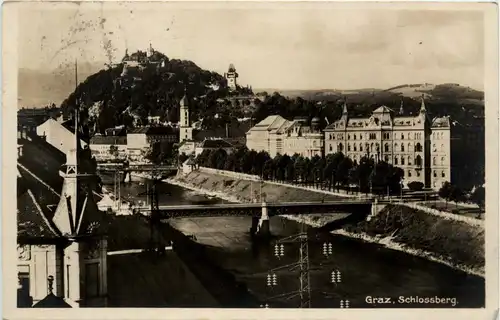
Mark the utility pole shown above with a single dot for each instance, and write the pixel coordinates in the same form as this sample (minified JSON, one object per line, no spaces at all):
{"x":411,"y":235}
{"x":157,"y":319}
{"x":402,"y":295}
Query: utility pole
{"x":304,"y":290}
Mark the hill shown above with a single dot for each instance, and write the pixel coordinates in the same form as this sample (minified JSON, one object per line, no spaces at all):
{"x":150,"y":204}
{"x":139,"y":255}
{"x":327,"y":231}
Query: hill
{"x":130,"y":91}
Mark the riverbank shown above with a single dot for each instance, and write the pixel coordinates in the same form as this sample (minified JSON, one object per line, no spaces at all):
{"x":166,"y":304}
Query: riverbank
{"x":452,"y":243}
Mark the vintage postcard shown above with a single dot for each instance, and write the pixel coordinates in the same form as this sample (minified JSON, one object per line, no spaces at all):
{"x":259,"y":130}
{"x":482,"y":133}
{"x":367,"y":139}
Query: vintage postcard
{"x":242,"y":160}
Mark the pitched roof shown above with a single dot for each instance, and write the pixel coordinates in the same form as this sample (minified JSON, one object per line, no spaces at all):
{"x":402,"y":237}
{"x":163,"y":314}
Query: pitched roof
{"x":32,"y":223}
{"x":383,"y":109}
{"x":166,"y":130}
{"x":271,"y":123}
{"x":215,"y":144}
{"x":442,"y":122}
{"x":52,"y":301}
{"x":115,"y":131}
{"x":108,"y":140}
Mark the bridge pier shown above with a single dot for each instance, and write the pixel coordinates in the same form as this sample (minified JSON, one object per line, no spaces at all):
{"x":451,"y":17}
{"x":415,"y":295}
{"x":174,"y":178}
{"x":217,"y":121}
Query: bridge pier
{"x":255,"y":224}
{"x":375,"y":210}
{"x":263,"y":227}
{"x":127,"y":177}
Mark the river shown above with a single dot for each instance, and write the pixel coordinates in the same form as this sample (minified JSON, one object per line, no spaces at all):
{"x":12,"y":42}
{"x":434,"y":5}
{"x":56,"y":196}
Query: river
{"x":370,"y":275}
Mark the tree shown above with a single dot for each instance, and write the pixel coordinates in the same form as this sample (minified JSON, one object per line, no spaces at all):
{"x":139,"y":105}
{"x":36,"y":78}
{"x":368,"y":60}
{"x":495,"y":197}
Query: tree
{"x":343,"y":171}
{"x":416,"y":186}
{"x":217,"y":159}
{"x":231,"y":162}
{"x":445,"y":192}
{"x":113,"y":151}
{"x":457,"y":195}
{"x":478,"y":197}
{"x":203,"y":157}
{"x":299,"y":168}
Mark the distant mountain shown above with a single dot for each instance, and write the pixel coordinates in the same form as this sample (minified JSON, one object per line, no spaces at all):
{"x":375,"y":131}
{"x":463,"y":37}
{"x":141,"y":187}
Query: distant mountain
{"x":448,"y":92}
{"x":38,"y":88}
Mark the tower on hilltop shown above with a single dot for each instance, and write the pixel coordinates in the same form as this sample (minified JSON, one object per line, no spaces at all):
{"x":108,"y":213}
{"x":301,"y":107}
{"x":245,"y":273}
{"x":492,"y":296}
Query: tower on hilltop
{"x":231,"y":77}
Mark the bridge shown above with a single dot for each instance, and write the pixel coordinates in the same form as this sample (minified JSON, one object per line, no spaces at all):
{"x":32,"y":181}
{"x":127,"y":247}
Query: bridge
{"x":261,"y":212}
{"x":256,"y":209}
{"x":146,"y":167}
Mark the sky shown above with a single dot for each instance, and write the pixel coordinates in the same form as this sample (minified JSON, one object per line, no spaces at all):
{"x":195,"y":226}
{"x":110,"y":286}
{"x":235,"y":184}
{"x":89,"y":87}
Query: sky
{"x":285,"y":47}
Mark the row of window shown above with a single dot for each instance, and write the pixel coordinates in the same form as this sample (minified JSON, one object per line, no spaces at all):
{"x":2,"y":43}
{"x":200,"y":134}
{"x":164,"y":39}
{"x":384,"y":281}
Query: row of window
{"x":373,"y":136}
{"x":376,"y":147}
{"x":398,"y":160}
{"x":435,"y":173}
{"x":438,"y":135}
{"x":315,"y":144}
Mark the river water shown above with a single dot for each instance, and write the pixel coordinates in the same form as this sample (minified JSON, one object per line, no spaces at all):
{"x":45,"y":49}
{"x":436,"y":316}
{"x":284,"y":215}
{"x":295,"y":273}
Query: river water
{"x":371,"y":276}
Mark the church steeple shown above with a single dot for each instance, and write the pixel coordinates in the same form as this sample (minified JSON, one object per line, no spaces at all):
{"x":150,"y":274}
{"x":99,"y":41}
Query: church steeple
{"x":423,"y":109}
{"x":345,"y":113}
{"x":77,"y":208}
{"x":401,"y":110}
{"x":185,"y":130}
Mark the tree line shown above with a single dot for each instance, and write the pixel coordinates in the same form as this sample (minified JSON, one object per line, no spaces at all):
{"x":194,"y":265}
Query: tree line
{"x":335,"y":171}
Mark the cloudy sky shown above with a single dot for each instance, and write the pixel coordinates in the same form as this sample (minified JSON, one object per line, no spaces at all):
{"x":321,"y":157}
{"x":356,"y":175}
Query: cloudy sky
{"x":286,"y":47}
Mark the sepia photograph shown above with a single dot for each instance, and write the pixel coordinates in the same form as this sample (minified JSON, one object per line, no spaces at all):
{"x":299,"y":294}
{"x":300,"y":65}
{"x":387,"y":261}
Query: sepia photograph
{"x":251,"y":156}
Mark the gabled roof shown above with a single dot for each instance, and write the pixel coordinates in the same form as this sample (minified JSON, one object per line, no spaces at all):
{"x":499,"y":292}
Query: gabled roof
{"x":51,"y":301}
{"x":383,"y":109}
{"x":441,"y":122}
{"x":108,"y":140}
{"x":215,"y":144}
{"x":32,"y":223}
{"x":166,"y":130}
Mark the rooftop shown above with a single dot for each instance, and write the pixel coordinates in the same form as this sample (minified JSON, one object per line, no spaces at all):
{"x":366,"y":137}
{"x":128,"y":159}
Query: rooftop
{"x":215,"y":144}
{"x":108,"y":140}
{"x":159,"y":130}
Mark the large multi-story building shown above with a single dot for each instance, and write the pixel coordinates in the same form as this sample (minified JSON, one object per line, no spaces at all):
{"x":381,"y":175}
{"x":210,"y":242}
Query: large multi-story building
{"x":417,"y":144}
{"x":277,"y":135}
{"x":140,"y":139}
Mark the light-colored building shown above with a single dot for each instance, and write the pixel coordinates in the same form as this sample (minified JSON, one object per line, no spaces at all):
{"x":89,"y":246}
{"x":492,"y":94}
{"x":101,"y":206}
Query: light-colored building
{"x":277,"y":135}
{"x":268,"y":135}
{"x":108,"y":147}
{"x":140,"y":139}
{"x":57,"y":135}
{"x":304,"y":140}
{"x":418,"y":145}
{"x":61,"y":241}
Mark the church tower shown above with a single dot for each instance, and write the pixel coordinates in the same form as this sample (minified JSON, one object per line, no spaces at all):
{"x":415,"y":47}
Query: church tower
{"x":231,"y":77}
{"x":185,"y":129}
{"x":82,"y":265}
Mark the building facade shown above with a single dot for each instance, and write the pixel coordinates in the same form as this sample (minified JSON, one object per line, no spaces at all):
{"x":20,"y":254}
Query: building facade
{"x":108,"y":147}
{"x":213,"y":144}
{"x":304,"y":140}
{"x":277,"y":135}
{"x":140,"y":139}
{"x":418,"y":145}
